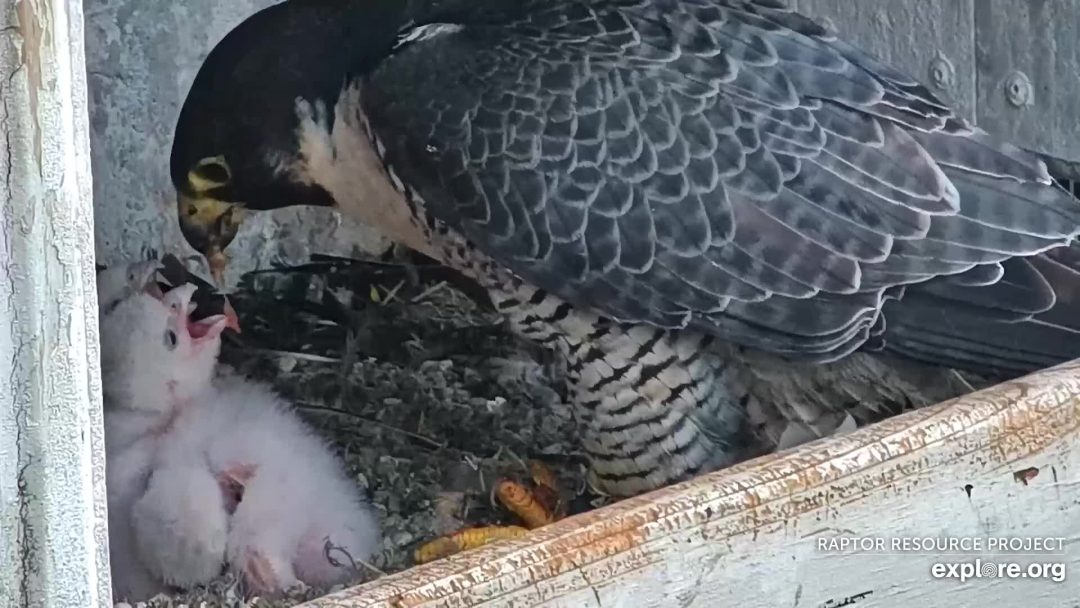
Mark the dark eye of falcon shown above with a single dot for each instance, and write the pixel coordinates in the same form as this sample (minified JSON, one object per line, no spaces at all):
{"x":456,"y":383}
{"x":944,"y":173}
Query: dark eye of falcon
{"x":170,"y":339}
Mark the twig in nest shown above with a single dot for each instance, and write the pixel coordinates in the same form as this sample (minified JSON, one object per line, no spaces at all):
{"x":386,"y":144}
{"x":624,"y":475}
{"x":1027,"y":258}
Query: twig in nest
{"x":390,"y":294}
{"x":329,"y":410}
{"x":296,"y":355}
{"x":963,"y":380}
{"x":428,"y":292}
{"x":513,"y":456}
{"x":348,"y":360}
{"x":330,"y":548}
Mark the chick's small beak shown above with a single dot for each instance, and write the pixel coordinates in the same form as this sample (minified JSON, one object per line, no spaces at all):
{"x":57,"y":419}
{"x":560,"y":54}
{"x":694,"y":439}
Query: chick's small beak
{"x":209,"y":225}
{"x":146,"y":275}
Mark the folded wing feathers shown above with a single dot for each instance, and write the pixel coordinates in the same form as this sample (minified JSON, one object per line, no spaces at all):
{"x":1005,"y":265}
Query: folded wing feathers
{"x":979,"y":276}
{"x":977,"y":152}
{"x":884,"y":186}
{"x":828,"y":180}
{"x":852,"y":179}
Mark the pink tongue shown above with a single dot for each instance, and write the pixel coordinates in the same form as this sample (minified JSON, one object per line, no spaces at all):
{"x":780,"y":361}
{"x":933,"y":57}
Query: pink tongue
{"x":198,"y":329}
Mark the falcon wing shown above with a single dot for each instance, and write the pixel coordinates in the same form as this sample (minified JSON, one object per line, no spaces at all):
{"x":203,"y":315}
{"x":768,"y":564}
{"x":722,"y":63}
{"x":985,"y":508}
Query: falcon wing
{"x":724,"y":165}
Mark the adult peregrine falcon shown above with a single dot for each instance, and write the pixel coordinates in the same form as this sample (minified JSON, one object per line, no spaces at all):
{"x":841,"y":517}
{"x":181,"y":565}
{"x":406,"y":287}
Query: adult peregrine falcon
{"x":733,"y":224}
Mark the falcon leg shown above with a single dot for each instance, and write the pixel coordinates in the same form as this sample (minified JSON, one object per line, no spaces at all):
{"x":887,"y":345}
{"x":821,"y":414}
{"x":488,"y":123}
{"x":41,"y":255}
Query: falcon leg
{"x":652,"y":406}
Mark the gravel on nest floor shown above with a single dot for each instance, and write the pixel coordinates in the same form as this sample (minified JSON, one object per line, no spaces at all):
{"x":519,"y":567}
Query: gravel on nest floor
{"x":421,"y":389}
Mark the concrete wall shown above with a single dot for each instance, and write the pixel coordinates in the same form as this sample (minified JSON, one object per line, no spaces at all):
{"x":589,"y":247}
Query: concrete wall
{"x":143,"y":55}
{"x":141,"y":59}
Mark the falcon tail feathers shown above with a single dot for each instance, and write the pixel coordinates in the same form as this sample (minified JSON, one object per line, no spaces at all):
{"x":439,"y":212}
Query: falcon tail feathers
{"x":1029,"y":320}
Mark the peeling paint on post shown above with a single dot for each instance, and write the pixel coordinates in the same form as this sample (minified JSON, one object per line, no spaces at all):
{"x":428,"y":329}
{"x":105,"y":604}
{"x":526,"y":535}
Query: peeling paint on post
{"x":53,"y":539}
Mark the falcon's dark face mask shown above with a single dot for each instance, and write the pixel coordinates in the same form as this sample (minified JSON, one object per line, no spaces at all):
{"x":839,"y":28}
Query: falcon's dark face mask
{"x":235,"y":153}
{"x":236,"y":146}
{"x":212,"y":203}
{"x":208,"y":220}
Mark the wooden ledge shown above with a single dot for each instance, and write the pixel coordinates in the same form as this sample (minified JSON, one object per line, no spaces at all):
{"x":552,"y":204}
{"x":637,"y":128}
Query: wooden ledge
{"x":999,"y":463}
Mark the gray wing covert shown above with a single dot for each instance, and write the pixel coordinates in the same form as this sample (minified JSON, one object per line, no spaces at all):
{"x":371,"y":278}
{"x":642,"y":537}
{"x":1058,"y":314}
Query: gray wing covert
{"x":725,"y":165}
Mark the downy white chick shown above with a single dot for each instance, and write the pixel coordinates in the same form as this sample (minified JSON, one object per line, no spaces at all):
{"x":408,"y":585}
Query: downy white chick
{"x":180,"y":523}
{"x":298,"y":510}
{"x":153,"y":356}
{"x":127,"y":460}
{"x":121,"y":281}
{"x":288,"y":496}
{"x":147,"y":376}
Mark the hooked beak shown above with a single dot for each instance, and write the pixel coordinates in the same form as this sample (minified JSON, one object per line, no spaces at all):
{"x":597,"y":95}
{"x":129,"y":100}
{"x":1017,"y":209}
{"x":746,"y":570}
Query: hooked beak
{"x":179,"y":299}
{"x":153,"y":290}
{"x":208,"y":328}
{"x":147,"y":277}
{"x":209,"y":225}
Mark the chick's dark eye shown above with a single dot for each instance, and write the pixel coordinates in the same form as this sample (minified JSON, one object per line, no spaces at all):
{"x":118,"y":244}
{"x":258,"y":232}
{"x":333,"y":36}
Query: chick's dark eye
{"x":170,"y":339}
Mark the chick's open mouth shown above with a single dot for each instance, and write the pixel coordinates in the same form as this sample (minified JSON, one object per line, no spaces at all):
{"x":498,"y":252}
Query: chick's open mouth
{"x":203,"y":327}
{"x":208,"y":312}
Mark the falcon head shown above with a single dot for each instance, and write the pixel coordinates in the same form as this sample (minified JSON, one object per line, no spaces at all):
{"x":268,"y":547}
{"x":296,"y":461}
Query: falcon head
{"x":240,"y":137}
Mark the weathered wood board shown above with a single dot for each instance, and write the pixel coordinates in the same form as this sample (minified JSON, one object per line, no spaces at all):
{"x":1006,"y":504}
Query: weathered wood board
{"x":1003,"y":463}
{"x":53,"y":547}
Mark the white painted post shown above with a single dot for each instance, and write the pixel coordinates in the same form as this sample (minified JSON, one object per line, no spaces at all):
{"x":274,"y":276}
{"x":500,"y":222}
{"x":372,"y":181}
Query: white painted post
{"x":53,"y":537}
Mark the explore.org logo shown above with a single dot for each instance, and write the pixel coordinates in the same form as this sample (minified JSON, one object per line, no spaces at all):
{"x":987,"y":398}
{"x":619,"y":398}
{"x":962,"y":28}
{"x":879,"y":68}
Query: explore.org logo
{"x":979,"y":568}
{"x":962,"y":558}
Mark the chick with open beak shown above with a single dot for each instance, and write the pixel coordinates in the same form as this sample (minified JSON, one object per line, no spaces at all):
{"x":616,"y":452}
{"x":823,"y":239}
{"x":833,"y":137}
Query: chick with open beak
{"x":120,"y":281}
{"x":205,"y":298}
{"x":179,"y":300}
